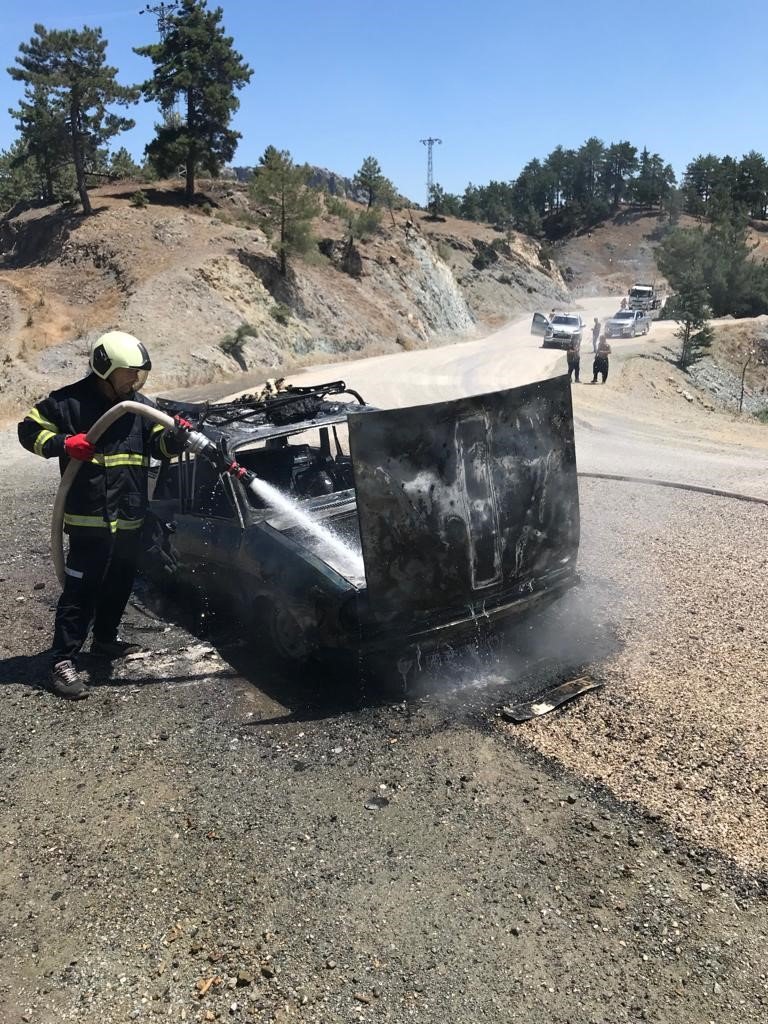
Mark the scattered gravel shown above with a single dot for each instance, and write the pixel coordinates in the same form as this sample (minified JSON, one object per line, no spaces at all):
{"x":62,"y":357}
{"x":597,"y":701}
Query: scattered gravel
{"x":680,"y":726}
{"x":724,"y":386}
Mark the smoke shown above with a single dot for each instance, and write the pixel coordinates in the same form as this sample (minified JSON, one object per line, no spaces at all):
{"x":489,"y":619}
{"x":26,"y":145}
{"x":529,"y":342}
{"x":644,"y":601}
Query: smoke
{"x":575,"y":633}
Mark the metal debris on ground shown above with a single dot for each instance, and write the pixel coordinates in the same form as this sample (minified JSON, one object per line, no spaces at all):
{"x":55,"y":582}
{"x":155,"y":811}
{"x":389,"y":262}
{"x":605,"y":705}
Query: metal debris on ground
{"x":376,"y":803}
{"x":550,"y":700}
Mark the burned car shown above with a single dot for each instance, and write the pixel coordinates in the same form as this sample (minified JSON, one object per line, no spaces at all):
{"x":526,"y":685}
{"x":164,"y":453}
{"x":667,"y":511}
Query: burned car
{"x":378,"y":531}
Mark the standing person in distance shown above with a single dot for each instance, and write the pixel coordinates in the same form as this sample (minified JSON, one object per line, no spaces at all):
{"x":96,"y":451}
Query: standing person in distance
{"x":600,"y":365}
{"x":573,"y":355}
{"x":595,"y":334}
{"x":106,"y":505}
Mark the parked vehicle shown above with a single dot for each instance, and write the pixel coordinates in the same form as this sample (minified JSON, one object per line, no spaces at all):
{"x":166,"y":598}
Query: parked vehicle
{"x":559,"y":331}
{"x":459,"y":515}
{"x":645,"y":296}
{"x":628,"y":323}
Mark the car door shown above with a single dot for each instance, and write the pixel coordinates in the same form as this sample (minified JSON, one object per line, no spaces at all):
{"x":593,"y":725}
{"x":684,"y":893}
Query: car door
{"x":539,"y":325}
{"x":209,"y":528}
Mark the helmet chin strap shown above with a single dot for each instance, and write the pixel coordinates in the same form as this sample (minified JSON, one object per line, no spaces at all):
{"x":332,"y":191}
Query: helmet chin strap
{"x":117,"y":397}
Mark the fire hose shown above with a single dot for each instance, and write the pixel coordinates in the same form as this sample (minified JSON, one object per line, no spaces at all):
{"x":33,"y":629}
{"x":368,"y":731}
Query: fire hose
{"x":195,"y":442}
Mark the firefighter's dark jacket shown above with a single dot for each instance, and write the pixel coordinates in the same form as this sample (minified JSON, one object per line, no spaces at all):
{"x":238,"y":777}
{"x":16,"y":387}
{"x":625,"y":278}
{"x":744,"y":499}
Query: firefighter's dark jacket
{"x":110,"y":491}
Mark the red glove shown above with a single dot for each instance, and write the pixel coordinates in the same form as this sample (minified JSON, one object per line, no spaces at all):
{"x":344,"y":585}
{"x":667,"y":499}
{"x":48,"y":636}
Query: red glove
{"x":180,"y":433}
{"x":77,"y":446}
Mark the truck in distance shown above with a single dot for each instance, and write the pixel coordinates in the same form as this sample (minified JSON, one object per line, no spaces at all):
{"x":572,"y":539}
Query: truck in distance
{"x":645,"y":297}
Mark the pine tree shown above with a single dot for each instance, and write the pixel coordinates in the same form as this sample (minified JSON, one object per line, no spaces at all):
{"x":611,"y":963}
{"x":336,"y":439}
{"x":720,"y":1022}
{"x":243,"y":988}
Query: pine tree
{"x":591,"y":158}
{"x":122,"y":165}
{"x":751,"y":188}
{"x":654,"y":180}
{"x":18,"y":180}
{"x":197,"y":62}
{"x":690,"y":309}
{"x":620,"y":164}
{"x":370,"y":180}
{"x":68,"y":68}
{"x":699,"y":181}
{"x":436,"y":203}
{"x":45,"y":142}
{"x":287,"y":204}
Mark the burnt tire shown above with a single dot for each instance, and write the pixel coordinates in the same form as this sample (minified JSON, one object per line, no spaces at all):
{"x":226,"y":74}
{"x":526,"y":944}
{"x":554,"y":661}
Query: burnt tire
{"x":288,"y":629}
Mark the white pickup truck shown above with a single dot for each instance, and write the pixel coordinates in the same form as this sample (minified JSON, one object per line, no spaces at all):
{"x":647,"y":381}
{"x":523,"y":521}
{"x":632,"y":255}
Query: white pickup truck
{"x":559,"y":331}
{"x":628,"y":323}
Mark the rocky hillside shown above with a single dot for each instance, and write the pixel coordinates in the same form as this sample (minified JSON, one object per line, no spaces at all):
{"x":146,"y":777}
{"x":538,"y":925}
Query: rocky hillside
{"x":613,"y":255}
{"x":189,"y":280}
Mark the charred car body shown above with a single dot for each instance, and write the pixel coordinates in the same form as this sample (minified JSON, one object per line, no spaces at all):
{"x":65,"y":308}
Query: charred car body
{"x":459,"y":514}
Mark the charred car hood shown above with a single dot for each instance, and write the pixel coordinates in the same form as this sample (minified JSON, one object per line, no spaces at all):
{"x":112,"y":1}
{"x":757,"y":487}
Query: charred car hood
{"x":461,"y":501}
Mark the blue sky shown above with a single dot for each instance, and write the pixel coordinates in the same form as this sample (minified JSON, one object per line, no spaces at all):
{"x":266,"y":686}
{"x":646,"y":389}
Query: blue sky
{"x":498,"y":82}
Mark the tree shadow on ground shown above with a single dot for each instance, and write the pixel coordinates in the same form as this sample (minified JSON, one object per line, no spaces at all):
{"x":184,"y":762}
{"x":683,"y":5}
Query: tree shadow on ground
{"x":167,"y":197}
{"x":41,"y":240}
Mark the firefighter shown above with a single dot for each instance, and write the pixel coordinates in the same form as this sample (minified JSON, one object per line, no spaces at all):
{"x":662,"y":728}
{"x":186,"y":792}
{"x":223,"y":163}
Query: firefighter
{"x":106,"y":504}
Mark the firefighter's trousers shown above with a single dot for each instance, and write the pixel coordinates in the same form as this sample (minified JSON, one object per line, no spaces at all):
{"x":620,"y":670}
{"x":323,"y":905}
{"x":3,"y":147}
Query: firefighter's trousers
{"x":101,"y":568}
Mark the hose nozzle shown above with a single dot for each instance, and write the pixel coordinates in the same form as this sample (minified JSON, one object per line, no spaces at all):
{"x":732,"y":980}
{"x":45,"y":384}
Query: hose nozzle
{"x":197,"y":443}
{"x":219,"y":455}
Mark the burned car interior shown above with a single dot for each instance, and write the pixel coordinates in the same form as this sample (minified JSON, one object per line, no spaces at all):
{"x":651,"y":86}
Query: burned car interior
{"x":302,"y":461}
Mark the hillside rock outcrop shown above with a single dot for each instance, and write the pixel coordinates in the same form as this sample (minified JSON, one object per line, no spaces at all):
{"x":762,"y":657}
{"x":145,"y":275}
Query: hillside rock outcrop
{"x":188,"y":281}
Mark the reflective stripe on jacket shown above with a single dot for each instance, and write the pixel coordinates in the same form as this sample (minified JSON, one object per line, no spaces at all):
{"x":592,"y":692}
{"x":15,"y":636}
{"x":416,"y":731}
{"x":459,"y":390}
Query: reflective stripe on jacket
{"x":110,"y":491}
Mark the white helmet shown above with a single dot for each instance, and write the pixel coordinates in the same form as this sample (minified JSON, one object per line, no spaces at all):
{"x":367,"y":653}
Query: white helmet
{"x":117,"y":350}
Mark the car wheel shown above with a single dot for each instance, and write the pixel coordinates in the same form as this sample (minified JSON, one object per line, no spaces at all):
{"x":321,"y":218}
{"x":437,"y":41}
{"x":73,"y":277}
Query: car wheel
{"x":288,"y":628}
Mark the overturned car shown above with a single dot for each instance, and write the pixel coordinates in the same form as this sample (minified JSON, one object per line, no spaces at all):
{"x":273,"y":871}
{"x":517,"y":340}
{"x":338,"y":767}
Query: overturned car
{"x":454,"y":516}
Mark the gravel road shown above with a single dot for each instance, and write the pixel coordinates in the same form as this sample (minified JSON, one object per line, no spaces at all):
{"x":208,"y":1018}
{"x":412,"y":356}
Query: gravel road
{"x":204,"y":839}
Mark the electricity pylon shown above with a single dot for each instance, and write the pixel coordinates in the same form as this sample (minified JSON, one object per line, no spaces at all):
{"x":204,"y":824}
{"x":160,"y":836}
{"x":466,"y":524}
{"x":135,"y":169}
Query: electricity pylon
{"x":429,"y":143}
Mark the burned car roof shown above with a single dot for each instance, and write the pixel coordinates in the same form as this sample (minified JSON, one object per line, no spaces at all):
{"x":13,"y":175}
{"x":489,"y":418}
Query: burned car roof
{"x":253,"y":417}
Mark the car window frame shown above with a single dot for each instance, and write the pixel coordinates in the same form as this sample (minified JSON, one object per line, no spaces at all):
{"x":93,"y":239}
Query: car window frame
{"x":187,"y":487}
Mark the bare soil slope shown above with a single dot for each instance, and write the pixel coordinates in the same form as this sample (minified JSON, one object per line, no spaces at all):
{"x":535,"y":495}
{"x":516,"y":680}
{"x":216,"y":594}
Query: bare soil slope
{"x":612,"y":256}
